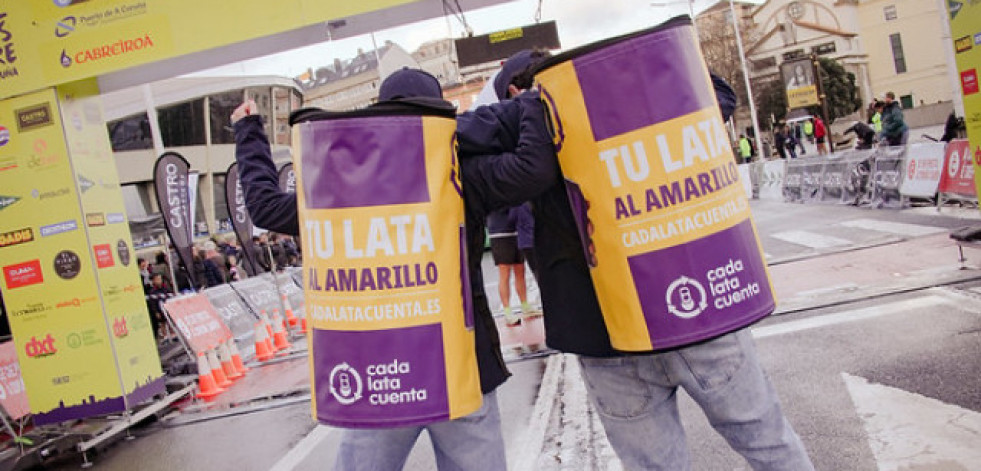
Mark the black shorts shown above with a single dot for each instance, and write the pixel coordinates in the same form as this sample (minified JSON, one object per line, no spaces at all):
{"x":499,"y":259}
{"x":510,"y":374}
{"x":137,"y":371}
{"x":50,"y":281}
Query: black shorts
{"x":505,"y":251}
{"x":820,"y":140}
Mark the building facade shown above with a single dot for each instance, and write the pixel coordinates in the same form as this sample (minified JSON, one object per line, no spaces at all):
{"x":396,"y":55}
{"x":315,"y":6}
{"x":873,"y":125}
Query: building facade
{"x":192,"y":115}
{"x":905,"y":50}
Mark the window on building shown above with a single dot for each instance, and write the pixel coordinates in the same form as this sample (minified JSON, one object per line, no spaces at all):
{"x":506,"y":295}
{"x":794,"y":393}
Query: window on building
{"x":263,"y":101}
{"x":890,"y":12}
{"x":224,"y":223}
{"x":906,"y":101}
{"x":282,"y":109}
{"x":220,"y":108}
{"x":898,"y":58}
{"x":764,"y":63}
{"x":182,"y":124}
{"x":130,"y":133}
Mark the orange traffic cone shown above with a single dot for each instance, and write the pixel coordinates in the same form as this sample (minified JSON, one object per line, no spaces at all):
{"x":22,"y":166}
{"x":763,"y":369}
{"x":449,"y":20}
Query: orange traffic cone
{"x":278,"y":319}
{"x":263,"y":351}
{"x":207,"y":386}
{"x":267,"y":322}
{"x":216,"y":370}
{"x":227,"y":366}
{"x":303,"y":323}
{"x":289,"y":311}
{"x":279,"y":336}
{"x":236,"y":357}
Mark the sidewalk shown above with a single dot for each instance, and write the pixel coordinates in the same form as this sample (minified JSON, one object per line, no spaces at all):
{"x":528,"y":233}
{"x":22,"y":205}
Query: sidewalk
{"x":565,"y":433}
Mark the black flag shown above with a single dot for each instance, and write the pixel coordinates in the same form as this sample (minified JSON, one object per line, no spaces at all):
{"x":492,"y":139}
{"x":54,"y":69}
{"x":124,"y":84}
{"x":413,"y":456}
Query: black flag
{"x":170,"y":179}
{"x":241,"y":220}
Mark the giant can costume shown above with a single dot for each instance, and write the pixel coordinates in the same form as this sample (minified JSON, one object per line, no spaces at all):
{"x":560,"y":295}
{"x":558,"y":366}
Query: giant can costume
{"x":664,"y":220}
{"x":387,"y":292}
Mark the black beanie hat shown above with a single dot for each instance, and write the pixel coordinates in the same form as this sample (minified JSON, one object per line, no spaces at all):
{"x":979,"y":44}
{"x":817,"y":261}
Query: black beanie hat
{"x":409,"y":83}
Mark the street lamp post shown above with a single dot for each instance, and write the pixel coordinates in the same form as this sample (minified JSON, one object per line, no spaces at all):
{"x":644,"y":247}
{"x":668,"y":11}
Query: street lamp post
{"x":749,"y":89}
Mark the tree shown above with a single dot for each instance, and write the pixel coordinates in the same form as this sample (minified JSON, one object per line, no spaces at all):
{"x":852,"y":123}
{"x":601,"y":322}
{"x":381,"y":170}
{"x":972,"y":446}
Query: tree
{"x":717,"y":40}
{"x":839,"y":87}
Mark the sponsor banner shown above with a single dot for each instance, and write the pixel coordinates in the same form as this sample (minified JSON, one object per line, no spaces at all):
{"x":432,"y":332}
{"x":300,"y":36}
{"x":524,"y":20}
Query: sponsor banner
{"x":241,"y":220}
{"x":259,"y":293}
{"x":812,"y":177}
{"x":136,"y":371}
{"x":173,"y":198}
{"x":965,"y":22}
{"x":665,"y":221}
{"x":236,"y":315}
{"x":924,"y":166}
{"x":16,"y":237}
{"x":771,"y":179}
{"x":13,"y":395}
{"x":287,"y":178}
{"x":197,"y":321}
{"x":833,"y":177}
{"x":45,"y":43}
{"x":49,"y":285}
{"x":801,"y":83}
{"x":957,"y":177}
{"x":392,"y":342}
{"x":887,"y":176}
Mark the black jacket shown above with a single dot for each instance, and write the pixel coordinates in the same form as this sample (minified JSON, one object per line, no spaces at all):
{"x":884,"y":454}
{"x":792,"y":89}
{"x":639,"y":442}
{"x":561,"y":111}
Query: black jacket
{"x":529,"y":159}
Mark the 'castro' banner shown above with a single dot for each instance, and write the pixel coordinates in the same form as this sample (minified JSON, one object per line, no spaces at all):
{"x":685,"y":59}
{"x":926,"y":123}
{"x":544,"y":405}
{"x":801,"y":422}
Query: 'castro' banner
{"x":652,"y":180}
{"x":392,"y":342}
{"x":170,"y":180}
{"x":241,"y":220}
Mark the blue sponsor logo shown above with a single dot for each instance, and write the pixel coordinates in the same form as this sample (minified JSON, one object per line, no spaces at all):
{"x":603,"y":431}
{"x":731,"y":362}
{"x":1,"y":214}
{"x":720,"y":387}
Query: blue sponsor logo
{"x":115,"y":218}
{"x":59,"y":228}
{"x":977,"y":39}
{"x":65,"y":27}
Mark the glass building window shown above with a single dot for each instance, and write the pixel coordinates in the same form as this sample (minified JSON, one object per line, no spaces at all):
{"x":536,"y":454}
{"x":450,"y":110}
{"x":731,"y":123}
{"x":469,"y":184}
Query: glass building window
{"x":130,"y":133}
{"x":224,"y":224}
{"x":182,"y":124}
{"x":282,"y":109}
{"x":897,"y":53}
{"x":263,"y":101}
{"x":906,"y":101}
{"x":220,"y":109}
{"x":890,"y":12}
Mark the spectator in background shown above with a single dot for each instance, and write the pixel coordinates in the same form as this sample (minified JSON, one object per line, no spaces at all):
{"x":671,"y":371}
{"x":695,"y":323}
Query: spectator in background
{"x":820,"y":135}
{"x":231,"y":246}
{"x":745,"y":148}
{"x":260,"y":252}
{"x":277,"y":251}
{"x":780,"y":141}
{"x":894,"y":129}
{"x":211,"y":252}
{"x":235,"y":270}
{"x":809,"y":131}
{"x":144,"y":270}
{"x":158,"y":291}
{"x":791,"y":143}
{"x":864,"y":134}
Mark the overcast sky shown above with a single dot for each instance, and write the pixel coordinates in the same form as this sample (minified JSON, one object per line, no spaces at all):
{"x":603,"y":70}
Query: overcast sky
{"x":579,"y":22}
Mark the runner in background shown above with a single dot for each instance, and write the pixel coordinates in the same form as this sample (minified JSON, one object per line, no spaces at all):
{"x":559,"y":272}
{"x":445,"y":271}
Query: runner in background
{"x":503,"y":229}
{"x":745,"y":149}
{"x":820,"y":134}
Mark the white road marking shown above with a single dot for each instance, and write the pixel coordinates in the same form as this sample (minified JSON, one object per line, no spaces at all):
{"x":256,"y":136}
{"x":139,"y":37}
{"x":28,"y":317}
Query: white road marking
{"x":898,"y":228}
{"x":849,"y":316}
{"x":534,"y":436}
{"x":302,"y":450}
{"x":810,"y":239}
{"x":907,"y":431}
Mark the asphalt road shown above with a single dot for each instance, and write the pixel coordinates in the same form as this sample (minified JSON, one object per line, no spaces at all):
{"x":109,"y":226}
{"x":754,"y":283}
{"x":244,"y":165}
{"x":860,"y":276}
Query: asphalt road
{"x":882,"y":383}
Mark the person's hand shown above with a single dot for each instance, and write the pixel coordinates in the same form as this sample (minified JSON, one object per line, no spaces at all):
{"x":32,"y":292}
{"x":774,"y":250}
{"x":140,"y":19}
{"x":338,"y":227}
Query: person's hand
{"x":245,"y":109}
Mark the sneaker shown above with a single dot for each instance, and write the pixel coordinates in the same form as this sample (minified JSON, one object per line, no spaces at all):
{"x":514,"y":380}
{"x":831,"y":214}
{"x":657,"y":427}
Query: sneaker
{"x":510,"y":318}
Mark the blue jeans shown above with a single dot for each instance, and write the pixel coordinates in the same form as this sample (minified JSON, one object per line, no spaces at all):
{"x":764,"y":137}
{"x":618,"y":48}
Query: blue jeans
{"x":636,"y":397}
{"x":469,"y":443}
